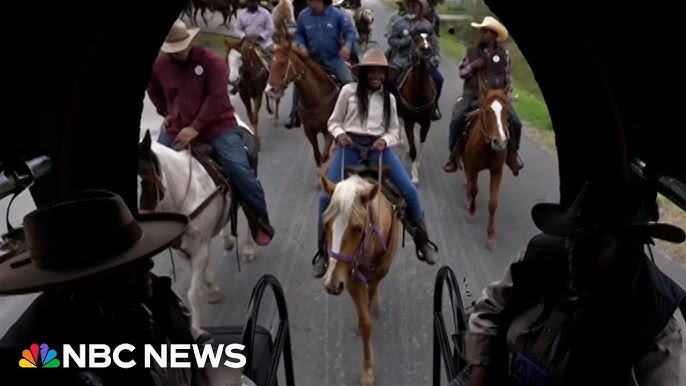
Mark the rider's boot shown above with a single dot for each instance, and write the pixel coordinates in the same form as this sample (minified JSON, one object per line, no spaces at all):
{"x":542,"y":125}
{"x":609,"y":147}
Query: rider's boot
{"x":426,"y":250}
{"x":319,"y":262}
{"x":514,"y":161}
{"x":292,"y":121}
{"x":436,"y":115}
{"x":453,"y":164}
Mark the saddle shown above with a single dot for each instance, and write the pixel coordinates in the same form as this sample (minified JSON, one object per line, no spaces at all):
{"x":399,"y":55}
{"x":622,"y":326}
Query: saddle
{"x":205,"y":154}
{"x":370,"y":172}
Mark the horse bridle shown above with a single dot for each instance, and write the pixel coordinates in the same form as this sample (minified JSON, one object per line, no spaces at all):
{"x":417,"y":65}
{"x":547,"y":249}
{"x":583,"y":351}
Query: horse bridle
{"x":482,"y":112}
{"x":242,"y":79}
{"x":153,"y":178}
{"x":372,"y":229}
{"x":298,"y":77}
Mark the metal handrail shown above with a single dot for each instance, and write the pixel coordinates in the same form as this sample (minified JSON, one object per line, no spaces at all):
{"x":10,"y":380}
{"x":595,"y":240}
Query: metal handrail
{"x":282,"y":340}
{"x":452,"y":358}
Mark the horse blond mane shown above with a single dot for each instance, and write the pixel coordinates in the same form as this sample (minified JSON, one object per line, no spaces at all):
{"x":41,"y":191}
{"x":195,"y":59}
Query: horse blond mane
{"x":284,"y":12}
{"x":345,"y":199}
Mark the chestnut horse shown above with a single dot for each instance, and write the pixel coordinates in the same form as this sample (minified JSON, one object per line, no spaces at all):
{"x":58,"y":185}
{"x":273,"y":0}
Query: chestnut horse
{"x":318,"y":93}
{"x":417,"y":93}
{"x":486,"y":149}
{"x":248,"y":72}
{"x":362,"y":240}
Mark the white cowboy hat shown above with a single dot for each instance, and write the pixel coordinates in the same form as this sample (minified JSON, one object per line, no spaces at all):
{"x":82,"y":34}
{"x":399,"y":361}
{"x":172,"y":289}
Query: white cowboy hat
{"x":179,"y":38}
{"x":495,"y":26}
{"x":336,"y":3}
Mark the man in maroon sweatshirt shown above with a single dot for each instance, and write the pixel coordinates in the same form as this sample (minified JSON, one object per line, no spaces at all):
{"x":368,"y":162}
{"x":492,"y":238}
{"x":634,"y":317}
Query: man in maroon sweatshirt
{"x":188,"y":88}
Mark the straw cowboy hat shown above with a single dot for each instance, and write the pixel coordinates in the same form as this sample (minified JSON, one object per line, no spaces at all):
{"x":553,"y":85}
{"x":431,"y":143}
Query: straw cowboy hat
{"x":600,"y":209}
{"x":374,"y":57}
{"x":179,"y":38}
{"x":82,"y":235}
{"x":495,"y":26}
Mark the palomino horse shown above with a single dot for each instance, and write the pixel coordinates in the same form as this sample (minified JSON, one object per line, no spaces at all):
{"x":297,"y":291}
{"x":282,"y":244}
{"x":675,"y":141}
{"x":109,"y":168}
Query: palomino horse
{"x":364,"y":18}
{"x":362,"y":239}
{"x":175,"y":181}
{"x":318,"y":92}
{"x":486,"y":149}
{"x":417,"y":93}
{"x":248,"y":72}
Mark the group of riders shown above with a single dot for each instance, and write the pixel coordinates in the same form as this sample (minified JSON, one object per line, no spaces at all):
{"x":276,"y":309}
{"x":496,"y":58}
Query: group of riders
{"x":327,"y":34}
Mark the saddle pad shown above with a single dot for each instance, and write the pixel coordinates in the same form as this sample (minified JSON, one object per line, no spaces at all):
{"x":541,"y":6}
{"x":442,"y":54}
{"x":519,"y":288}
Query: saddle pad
{"x":262,"y":351}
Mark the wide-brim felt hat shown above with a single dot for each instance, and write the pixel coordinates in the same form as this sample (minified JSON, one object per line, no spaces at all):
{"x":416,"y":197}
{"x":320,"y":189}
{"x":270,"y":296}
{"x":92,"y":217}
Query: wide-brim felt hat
{"x":83,"y":235}
{"x":601,"y":208}
{"x":425,"y":6}
{"x":374,"y":57}
{"x":179,"y":38}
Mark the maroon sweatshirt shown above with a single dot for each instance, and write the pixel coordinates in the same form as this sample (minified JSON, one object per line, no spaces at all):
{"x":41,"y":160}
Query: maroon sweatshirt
{"x":193,"y":93}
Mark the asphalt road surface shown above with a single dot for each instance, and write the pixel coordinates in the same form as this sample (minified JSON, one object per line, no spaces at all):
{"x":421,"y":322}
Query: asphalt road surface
{"x":326,"y":349}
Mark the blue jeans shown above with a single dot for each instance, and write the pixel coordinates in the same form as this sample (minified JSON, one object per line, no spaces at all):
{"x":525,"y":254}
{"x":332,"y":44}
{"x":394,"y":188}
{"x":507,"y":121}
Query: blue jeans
{"x":398,"y":175}
{"x":433,"y":72}
{"x":230,"y":153}
{"x":340,"y":69}
{"x":458,"y":123}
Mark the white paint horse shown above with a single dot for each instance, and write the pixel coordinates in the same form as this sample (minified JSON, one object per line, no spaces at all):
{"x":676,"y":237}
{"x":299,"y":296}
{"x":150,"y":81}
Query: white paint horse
{"x":174,"y":181}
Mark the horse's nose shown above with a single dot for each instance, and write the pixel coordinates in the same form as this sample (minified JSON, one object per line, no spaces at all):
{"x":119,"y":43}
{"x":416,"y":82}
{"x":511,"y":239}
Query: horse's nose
{"x":497,"y":144}
{"x":335,"y":288}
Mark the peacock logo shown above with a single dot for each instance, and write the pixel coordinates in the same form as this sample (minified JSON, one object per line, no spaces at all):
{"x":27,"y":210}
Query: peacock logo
{"x":31,"y":360}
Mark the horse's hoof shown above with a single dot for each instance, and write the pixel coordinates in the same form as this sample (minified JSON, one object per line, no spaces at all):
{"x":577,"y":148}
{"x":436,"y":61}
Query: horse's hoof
{"x":471,"y":219}
{"x":376,"y":311}
{"x":229,"y":243}
{"x":491,"y":245}
{"x":214,"y":297}
{"x":248,"y":257}
{"x":367,"y":378}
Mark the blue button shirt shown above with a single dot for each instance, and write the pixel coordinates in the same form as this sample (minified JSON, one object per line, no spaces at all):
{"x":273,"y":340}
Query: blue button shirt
{"x":321,"y":33}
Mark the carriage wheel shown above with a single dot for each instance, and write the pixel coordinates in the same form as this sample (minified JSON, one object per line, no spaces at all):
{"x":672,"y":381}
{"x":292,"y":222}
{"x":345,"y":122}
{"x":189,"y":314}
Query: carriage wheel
{"x":452,"y":355}
{"x":282,"y":340}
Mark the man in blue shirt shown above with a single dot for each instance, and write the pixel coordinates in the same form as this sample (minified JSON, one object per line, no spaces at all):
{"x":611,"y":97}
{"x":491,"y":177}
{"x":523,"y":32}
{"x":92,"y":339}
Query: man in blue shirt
{"x":318,"y":35}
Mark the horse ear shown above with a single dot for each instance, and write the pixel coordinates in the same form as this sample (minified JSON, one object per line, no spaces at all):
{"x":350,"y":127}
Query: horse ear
{"x":144,"y":148}
{"x":369,"y":194}
{"x":327,"y":185}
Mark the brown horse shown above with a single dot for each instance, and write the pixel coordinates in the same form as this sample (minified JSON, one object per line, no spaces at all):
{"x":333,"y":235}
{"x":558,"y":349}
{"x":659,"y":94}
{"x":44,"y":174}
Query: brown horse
{"x":417,"y":93}
{"x":227,"y":8}
{"x":248,"y":72}
{"x":486,"y":149}
{"x":362,"y":239}
{"x":318,"y":93}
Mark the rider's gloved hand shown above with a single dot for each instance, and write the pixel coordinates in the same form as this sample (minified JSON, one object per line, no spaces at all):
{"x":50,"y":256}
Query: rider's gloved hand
{"x":379,"y":144}
{"x":344,"y":140}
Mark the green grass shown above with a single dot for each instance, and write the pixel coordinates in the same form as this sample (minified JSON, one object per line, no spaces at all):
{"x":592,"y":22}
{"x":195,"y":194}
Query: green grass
{"x":213,"y":41}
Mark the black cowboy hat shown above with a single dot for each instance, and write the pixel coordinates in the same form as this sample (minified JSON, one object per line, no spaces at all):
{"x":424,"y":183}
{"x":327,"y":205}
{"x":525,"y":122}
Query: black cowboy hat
{"x":82,"y":235}
{"x":605,"y":208}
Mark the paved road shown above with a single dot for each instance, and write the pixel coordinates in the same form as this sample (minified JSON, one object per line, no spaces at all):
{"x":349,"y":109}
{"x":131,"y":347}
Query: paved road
{"x":325,"y":347}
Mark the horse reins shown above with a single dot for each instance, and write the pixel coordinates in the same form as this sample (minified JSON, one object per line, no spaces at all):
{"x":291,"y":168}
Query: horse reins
{"x":371,"y":225}
{"x":298,"y":77}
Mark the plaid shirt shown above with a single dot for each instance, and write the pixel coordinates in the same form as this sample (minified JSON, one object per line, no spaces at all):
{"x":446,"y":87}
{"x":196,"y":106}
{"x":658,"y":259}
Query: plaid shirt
{"x":465,"y":69}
